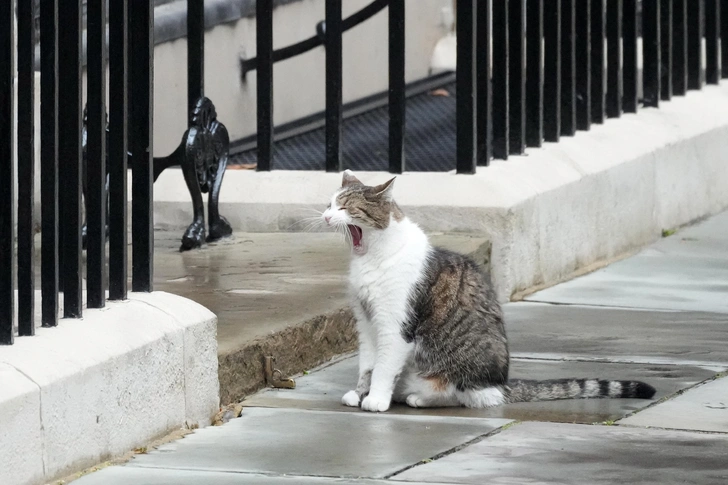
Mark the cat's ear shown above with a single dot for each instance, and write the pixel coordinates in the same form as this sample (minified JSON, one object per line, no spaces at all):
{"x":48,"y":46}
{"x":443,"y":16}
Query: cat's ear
{"x":385,"y":190}
{"x":349,"y":179}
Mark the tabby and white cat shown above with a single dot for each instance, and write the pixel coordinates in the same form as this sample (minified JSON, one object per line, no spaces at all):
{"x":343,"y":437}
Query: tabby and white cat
{"x":430,"y":329}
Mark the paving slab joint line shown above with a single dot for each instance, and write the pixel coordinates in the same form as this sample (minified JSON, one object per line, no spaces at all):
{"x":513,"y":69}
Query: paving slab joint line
{"x":608,"y":307}
{"x":40,"y":411}
{"x":617,"y":360}
{"x":455,"y":449}
{"x":682,"y":430}
{"x":253,"y":473}
{"x":719,"y":375}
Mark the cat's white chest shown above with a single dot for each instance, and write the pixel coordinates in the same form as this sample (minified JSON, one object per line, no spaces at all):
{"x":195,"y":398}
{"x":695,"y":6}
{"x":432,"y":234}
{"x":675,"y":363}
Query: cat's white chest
{"x":382,"y":280}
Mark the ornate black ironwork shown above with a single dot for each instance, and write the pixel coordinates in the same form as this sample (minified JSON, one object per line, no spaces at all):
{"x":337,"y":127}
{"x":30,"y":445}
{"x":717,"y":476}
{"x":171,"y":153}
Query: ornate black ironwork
{"x":203,"y":156}
{"x":293,"y":50}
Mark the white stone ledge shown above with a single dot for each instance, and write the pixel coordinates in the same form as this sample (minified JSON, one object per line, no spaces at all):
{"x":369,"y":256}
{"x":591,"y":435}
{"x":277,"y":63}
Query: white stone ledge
{"x":95,"y":388}
{"x":567,"y":205}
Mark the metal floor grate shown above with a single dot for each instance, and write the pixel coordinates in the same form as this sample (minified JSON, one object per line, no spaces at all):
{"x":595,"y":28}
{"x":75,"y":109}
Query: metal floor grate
{"x":429,"y":143}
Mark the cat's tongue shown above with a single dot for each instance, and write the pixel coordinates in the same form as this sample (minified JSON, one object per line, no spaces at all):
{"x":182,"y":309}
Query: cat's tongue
{"x":355,"y":234}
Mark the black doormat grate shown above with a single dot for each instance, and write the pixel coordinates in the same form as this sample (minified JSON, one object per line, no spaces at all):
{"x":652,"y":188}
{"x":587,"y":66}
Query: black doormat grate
{"x":429,"y":140}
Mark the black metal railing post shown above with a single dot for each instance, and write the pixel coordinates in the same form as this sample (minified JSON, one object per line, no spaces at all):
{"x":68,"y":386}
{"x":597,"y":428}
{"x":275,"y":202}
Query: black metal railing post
{"x":534,"y":73}
{"x":334,"y":100}
{"x":630,"y":72}
{"x":141,"y":142}
{"x":666,"y":49}
{"x":651,"y":52}
{"x":696,"y":32}
{"x":96,"y":156}
{"x":552,"y":70}
{"x":724,"y":39}
{"x":679,"y":47}
{"x":264,"y":89}
{"x":568,"y":67}
{"x":501,"y":80}
{"x":195,"y":52}
{"x":466,"y":102}
{"x":615,"y":77}
{"x":118,"y":147}
{"x":712,"y":41}
{"x":598,"y":41}
{"x":26,"y":167}
{"x":49,"y":161}
{"x":583,"y":61}
{"x":484,"y":88}
{"x":70,"y":153}
{"x":517,"y":75}
{"x":397,"y":98}
{"x":7,"y":175}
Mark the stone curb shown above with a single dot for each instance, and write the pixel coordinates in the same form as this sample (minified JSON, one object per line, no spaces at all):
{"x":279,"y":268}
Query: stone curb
{"x":94,"y":388}
{"x":295,"y":349}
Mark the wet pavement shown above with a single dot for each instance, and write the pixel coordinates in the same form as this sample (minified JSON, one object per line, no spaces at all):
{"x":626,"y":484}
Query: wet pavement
{"x":660,"y":316}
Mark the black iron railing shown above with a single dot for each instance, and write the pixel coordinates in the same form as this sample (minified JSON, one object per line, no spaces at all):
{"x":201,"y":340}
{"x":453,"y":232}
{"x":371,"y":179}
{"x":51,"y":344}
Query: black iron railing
{"x":557,"y":66}
{"x":85,"y":154}
{"x":62,"y":146}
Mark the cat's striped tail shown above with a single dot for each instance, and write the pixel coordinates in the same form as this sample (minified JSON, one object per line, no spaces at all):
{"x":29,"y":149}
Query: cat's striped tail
{"x":551,"y":390}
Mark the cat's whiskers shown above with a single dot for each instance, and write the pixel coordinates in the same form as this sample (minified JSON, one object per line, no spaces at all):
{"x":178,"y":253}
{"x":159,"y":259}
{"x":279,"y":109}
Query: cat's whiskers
{"x":308,"y":223}
{"x":342,"y":229}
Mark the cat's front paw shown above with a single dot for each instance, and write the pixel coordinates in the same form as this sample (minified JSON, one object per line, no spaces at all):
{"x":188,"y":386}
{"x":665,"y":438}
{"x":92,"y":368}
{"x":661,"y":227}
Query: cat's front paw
{"x":375,"y":404}
{"x":351,"y":399}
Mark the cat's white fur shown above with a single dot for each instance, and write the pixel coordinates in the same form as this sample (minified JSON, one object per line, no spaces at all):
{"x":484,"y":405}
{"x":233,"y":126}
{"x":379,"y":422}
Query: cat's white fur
{"x":384,"y":272}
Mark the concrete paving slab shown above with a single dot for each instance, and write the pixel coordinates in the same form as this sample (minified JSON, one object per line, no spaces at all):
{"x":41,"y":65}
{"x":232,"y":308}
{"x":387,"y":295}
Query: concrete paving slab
{"x":703,"y":408}
{"x":258,"y":284}
{"x":616,"y":334}
{"x":295,"y":442}
{"x":545,"y":453}
{"x":127,"y":475}
{"x":322,"y":390}
{"x":707,"y":238}
{"x":686,"y":271}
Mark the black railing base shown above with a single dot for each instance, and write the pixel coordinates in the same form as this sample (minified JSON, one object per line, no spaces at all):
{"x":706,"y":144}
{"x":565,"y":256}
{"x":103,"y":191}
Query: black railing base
{"x":203,"y":156}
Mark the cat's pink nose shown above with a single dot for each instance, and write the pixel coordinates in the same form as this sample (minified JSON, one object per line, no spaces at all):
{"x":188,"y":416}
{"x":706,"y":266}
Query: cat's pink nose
{"x":327,"y":219}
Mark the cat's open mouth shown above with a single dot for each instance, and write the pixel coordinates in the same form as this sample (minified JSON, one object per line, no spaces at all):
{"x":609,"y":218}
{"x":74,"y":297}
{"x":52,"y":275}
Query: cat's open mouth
{"x":356,"y":235}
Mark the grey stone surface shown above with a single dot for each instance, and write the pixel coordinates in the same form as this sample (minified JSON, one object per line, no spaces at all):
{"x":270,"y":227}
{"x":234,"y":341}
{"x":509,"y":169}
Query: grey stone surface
{"x":127,"y":475}
{"x":544,"y":453}
{"x":704,"y":408}
{"x":613,"y":333}
{"x":322,"y":390}
{"x":317,"y":443}
{"x":686,"y":271}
